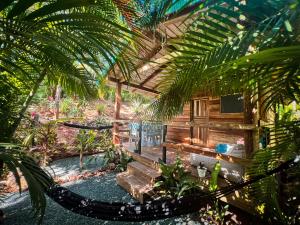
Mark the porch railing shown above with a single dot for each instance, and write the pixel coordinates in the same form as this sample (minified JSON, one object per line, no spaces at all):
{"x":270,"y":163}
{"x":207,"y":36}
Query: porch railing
{"x":153,"y":134}
{"x":139,"y":134}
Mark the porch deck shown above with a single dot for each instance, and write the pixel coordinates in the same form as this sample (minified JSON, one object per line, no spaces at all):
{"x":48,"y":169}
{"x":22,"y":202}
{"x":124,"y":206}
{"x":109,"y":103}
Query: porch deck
{"x":150,"y":157}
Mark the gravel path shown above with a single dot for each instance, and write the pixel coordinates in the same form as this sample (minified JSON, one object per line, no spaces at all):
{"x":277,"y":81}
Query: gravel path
{"x":17,"y":208}
{"x":64,"y":168}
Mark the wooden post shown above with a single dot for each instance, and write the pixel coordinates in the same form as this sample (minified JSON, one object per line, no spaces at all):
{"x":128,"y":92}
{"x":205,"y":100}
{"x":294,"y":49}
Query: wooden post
{"x":191,"y":120}
{"x":140,"y":137}
{"x":248,"y":119}
{"x":164,"y":152}
{"x":118,"y":99}
{"x":257,"y":119}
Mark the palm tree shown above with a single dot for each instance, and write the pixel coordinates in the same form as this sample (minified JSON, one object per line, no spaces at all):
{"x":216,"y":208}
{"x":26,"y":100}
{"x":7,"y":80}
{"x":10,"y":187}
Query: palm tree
{"x":60,"y":42}
{"x":242,"y":46}
{"x":64,"y":42}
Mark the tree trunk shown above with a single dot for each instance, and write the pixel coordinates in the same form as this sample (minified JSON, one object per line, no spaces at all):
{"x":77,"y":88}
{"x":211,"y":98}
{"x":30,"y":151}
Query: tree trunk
{"x":81,"y":159}
{"x":16,"y":123}
{"x":45,"y":158}
{"x":27,"y":103}
{"x":57,"y":100}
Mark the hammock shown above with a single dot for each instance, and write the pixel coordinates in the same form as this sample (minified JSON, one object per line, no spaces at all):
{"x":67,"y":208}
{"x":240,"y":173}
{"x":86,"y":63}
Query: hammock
{"x":152,"y":210}
{"x":87,"y":127}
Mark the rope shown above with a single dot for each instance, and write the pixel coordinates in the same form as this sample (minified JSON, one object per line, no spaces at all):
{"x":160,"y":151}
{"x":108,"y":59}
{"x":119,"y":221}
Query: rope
{"x":152,"y":210}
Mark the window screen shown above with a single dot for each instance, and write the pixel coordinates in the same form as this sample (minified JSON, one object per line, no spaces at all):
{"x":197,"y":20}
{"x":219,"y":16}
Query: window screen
{"x":232,"y":103}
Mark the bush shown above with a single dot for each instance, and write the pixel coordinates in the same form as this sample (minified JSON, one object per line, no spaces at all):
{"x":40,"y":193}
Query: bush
{"x":46,"y":138}
{"x":43,"y":137}
{"x":86,"y":141}
{"x":66,"y":105}
{"x":100,"y":109}
{"x":176,"y":181}
{"x":118,"y":158}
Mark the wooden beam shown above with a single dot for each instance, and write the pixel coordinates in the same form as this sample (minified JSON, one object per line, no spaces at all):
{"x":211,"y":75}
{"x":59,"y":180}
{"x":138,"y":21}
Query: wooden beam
{"x":154,"y":74}
{"x":215,"y":125}
{"x":207,"y":152}
{"x":156,"y":86}
{"x":133,"y":85}
{"x":149,"y":56}
{"x":150,"y":77}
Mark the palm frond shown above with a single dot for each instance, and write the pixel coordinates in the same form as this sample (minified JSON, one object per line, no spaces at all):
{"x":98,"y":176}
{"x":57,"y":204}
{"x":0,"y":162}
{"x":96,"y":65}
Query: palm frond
{"x":215,"y":40}
{"x":22,"y":165}
{"x":74,"y":41}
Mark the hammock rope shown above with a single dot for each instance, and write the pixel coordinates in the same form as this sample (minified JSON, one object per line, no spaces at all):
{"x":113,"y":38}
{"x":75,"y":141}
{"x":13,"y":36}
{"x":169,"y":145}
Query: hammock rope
{"x":152,"y":210}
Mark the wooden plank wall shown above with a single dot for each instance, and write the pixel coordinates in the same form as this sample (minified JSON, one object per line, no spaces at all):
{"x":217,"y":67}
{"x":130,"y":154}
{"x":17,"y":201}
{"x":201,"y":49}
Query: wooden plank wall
{"x":180,"y":134}
{"x":210,"y":136}
{"x":223,"y":135}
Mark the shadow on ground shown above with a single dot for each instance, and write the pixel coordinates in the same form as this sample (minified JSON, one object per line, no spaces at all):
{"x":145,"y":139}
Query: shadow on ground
{"x":17,"y":208}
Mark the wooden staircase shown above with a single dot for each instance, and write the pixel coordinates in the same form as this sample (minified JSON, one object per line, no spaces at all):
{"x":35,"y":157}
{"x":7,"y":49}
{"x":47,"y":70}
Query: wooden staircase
{"x":139,"y":179}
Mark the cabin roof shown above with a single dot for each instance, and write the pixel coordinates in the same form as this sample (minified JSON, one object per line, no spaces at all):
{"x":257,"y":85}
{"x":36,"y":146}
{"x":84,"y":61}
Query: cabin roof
{"x":155,"y":55}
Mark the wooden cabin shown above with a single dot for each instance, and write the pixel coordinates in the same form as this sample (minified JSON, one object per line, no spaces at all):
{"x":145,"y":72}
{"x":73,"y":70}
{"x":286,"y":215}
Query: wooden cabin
{"x":205,"y":123}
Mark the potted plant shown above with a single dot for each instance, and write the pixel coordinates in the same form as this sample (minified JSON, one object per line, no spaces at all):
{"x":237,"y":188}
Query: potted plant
{"x":201,"y":170}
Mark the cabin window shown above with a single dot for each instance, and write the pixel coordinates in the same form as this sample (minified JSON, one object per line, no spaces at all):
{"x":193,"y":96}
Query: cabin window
{"x":232,"y":103}
{"x":200,"y":108}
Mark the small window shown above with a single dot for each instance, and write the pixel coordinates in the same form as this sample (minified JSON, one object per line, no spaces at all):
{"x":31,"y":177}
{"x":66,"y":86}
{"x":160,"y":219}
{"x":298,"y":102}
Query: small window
{"x":200,"y":108}
{"x":232,"y":103}
{"x":197,"y":108}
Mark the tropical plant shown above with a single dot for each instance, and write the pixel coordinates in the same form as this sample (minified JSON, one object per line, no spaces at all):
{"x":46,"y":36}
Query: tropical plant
{"x":66,"y":105}
{"x":46,"y":139}
{"x":22,"y":165}
{"x":100,"y":109}
{"x":118,"y":158}
{"x":176,"y":182}
{"x":213,"y":182}
{"x":212,"y":55}
{"x":249,"y":47}
{"x":110,"y":156}
{"x":277,"y":198}
{"x":124,"y":159}
{"x":65,"y":42}
{"x":43,"y":137}
{"x":215,"y":214}
{"x":86,"y":141}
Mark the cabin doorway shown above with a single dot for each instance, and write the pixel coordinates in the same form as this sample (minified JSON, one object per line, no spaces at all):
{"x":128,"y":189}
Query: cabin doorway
{"x":201,"y":119}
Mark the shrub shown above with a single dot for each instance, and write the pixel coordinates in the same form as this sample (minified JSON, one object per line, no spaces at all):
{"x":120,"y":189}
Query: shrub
{"x":86,"y":141}
{"x":175,"y":181}
{"x":100,"y":109}
{"x":66,"y":105}
{"x":46,"y":138}
{"x":118,"y":158}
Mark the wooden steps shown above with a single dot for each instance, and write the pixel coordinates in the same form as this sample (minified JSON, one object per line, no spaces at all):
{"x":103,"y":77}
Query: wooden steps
{"x":144,"y":172}
{"x":138,"y":180}
{"x":147,"y":160}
